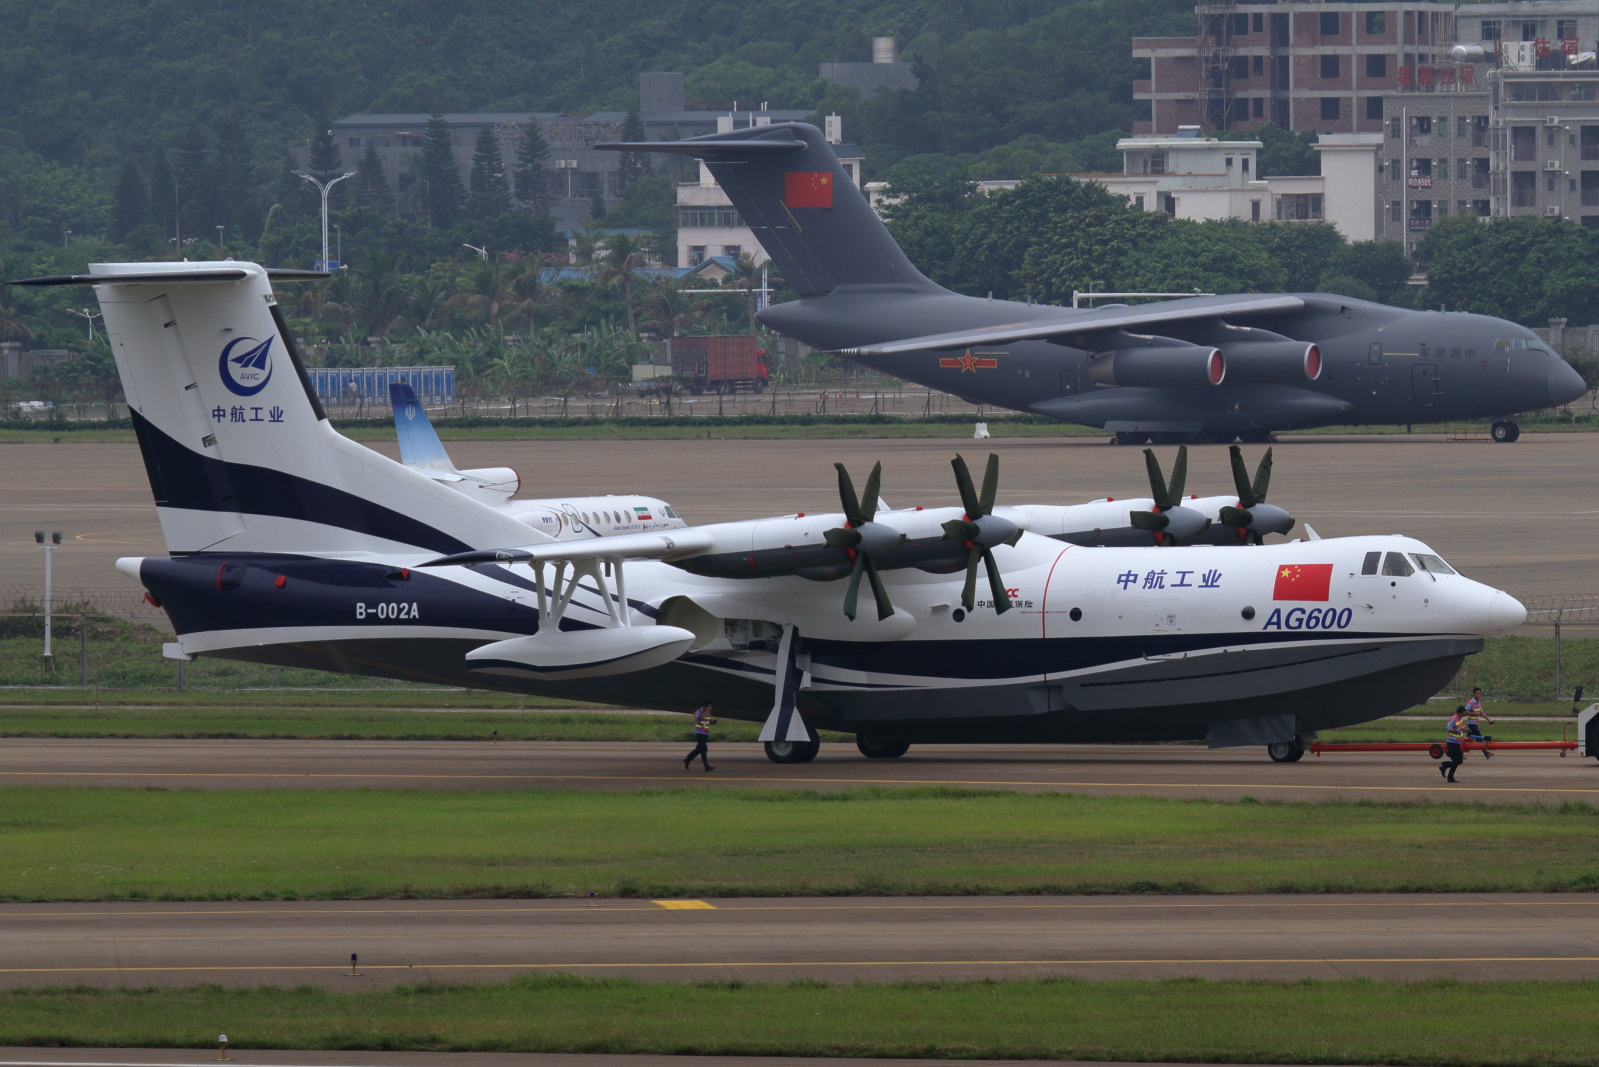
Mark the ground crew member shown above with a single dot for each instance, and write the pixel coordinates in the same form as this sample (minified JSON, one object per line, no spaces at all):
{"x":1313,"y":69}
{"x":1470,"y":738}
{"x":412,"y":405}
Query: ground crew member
{"x":702,"y":736}
{"x":1454,"y":735}
{"x":1473,"y":713}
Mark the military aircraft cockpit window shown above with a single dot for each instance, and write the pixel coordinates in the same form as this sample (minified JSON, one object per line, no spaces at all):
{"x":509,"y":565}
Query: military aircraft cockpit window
{"x":1395,"y":565}
{"x":1501,"y":344}
{"x":1429,"y":562}
{"x":1521,"y":344}
{"x":1539,"y":346}
{"x":1370,"y":566}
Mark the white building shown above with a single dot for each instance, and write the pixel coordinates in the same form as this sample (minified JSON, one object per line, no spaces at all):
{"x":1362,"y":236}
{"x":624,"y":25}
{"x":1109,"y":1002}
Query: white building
{"x":707,"y":223}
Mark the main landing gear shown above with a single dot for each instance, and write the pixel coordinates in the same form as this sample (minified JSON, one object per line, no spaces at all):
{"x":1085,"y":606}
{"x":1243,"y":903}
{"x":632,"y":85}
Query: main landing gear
{"x":872,"y":748}
{"x":1286,"y":751}
{"x":792,"y":751}
{"x":1504,"y":431}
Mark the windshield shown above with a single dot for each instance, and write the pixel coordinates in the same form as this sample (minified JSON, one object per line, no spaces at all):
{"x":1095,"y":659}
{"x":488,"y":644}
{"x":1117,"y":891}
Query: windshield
{"x":1395,"y":565}
{"x":1429,"y":562}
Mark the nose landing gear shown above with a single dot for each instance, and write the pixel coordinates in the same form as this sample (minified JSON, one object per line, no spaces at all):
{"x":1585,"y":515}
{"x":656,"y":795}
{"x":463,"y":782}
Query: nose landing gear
{"x":1504,"y":431}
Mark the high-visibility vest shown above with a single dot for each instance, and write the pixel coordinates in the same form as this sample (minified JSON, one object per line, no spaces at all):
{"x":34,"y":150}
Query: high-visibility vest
{"x":1457,"y":729}
{"x":702,"y":722}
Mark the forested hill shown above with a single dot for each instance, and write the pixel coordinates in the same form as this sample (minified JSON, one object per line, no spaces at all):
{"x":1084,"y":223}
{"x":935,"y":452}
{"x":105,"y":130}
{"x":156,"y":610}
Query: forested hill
{"x":86,"y":85}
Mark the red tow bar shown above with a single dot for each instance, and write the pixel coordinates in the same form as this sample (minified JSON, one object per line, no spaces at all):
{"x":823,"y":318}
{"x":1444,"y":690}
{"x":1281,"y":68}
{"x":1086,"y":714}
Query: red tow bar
{"x":1436,"y":750}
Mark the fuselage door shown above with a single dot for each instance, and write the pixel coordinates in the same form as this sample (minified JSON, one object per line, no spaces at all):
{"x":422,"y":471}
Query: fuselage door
{"x":1425,"y":384}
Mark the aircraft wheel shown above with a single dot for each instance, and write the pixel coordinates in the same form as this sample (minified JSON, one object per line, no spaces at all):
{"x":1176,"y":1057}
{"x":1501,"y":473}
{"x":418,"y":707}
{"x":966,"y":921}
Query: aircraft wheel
{"x":1128,"y":437}
{"x":792,"y":751}
{"x":872,"y":748}
{"x":1505,"y":431}
{"x":1286,"y":751}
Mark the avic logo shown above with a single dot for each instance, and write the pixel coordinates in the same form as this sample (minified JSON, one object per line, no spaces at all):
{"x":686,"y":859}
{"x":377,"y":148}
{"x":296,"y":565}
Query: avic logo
{"x":246,"y":374}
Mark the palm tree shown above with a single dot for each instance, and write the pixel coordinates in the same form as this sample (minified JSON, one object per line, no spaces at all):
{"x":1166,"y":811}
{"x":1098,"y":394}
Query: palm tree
{"x":11,"y":324}
{"x":485,"y":291}
{"x":746,"y":275}
{"x":671,"y":309}
{"x":379,"y":292}
{"x":622,"y":259}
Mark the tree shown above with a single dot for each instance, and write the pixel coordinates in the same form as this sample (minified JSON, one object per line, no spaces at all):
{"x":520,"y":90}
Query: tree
{"x":633,"y":165}
{"x":372,"y":190}
{"x":1380,"y":266}
{"x":233,"y":175}
{"x":532,"y":181}
{"x":130,"y":207}
{"x":491,"y":194}
{"x":621,"y":260}
{"x":597,"y":207}
{"x":441,"y":180}
{"x":324,"y":162}
{"x":193,"y":171}
{"x":1524,"y":268}
{"x":1282,"y":152}
{"x":1212,"y":257}
{"x":1302,"y":249}
{"x":163,"y":194}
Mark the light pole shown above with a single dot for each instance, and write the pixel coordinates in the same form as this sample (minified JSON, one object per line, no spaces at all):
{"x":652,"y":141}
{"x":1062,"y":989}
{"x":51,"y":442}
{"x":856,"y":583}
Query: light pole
{"x":49,"y":547}
{"x":324,"y":188}
{"x":221,"y":232}
{"x":89,"y":316}
{"x":483,"y":253}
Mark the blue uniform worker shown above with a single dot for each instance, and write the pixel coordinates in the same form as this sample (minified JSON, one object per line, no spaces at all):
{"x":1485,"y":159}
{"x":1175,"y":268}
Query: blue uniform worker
{"x":1473,"y":713}
{"x":702,"y":736}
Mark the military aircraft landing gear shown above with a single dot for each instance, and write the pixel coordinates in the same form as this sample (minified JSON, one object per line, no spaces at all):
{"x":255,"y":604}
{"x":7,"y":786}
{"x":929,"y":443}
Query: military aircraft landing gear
{"x":792,"y":751}
{"x":1505,"y":431}
{"x":1129,"y":437}
{"x":1286,"y":751}
{"x":872,"y":748}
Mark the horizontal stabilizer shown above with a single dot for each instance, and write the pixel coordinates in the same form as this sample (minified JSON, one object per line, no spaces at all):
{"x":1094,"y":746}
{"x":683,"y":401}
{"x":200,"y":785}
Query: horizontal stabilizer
{"x":1090,"y":322}
{"x":164,"y":277}
{"x":676,"y":544}
{"x":712,"y":147}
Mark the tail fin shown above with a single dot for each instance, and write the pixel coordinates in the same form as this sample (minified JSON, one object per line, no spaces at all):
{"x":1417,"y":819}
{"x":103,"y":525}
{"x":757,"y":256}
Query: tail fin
{"x":239,"y":453}
{"x":803,"y":206}
{"x":419,"y":441}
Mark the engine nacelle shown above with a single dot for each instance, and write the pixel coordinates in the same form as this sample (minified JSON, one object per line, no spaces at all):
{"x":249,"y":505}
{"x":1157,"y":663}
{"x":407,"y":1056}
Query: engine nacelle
{"x":1277,"y":362}
{"x":1166,"y":367}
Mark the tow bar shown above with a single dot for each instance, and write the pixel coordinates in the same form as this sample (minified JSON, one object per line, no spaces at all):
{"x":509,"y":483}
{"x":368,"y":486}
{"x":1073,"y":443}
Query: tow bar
{"x":1436,"y":750}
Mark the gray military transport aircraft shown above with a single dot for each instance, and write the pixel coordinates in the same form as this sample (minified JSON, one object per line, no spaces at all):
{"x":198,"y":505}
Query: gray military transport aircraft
{"x":1200,"y":368}
{"x":288,"y":543}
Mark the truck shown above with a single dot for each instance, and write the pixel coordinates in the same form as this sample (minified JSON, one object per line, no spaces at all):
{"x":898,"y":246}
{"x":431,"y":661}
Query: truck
{"x":720,"y":363}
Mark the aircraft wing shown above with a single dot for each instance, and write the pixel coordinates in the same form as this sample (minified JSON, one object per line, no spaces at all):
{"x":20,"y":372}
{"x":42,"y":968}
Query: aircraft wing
{"x":1088,"y":322}
{"x":665,"y":545}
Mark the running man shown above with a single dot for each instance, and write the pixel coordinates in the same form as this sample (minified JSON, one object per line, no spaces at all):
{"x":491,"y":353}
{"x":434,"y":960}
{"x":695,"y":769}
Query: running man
{"x":1473,"y":713}
{"x":1454,"y":736}
{"x":702,"y":736}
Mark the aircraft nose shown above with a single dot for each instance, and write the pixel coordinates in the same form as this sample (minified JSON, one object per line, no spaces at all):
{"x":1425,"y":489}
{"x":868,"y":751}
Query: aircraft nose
{"x":1565,"y":384}
{"x":1505,"y":612}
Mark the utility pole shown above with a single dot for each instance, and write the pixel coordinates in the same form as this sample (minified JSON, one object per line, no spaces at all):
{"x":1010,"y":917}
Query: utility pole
{"x":324,"y":188}
{"x":49,"y":547}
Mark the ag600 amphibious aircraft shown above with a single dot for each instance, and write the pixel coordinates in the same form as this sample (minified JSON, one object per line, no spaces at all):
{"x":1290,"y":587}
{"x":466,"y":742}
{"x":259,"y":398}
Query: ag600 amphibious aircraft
{"x":290,"y":544}
{"x":1210,"y":368}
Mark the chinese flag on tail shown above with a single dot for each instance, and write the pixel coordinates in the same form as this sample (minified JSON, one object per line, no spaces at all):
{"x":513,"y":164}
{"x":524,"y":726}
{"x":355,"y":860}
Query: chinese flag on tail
{"x":808,"y":189}
{"x":1302,"y":581}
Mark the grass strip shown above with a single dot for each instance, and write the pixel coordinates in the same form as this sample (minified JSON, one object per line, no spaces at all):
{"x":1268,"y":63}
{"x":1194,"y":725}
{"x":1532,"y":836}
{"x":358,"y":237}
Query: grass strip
{"x":120,"y":844}
{"x":1346,"y":1021}
{"x":1413,"y":730}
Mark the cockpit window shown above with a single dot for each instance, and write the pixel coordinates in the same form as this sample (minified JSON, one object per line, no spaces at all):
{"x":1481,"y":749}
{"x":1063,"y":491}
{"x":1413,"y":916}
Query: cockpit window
{"x":669,"y":512}
{"x":1539,"y":346}
{"x":1521,"y":344}
{"x":1370,"y":565}
{"x":1501,"y":344}
{"x":1395,"y":565}
{"x":1429,"y":562}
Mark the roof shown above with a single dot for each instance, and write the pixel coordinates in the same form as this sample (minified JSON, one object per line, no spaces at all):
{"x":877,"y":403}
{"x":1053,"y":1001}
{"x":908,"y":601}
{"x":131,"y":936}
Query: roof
{"x":500,"y":118}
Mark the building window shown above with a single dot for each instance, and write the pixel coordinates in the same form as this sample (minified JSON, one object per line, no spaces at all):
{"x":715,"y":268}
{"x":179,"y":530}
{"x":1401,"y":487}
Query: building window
{"x":1421,"y":168}
{"x":1482,"y":207}
{"x":1260,"y":107}
{"x":1374,"y":108}
{"x":1259,"y":23}
{"x":1523,"y":189}
{"x":1535,"y":92}
{"x":1329,"y":107}
{"x":696,"y":255}
{"x":1442,"y":171}
{"x":1229,"y":163}
{"x":1523,"y":144}
{"x":1582,"y":91}
{"x":1376,"y":23}
{"x":1376,"y":65}
{"x":1240,"y":67}
{"x":733,"y":251}
{"x":1462,"y":206}
{"x":1590,"y":222}
{"x":1168,"y":204}
{"x":1551,"y":183}
{"x":1442,"y":209}
{"x":1259,"y":64}
{"x":1490,"y":30}
{"x":1421,"y":125}
{"x":1396,"y":128}
{"x":1138,"y":202}
{"x":1329,"y":66}
{"x":1395,"y":170}
{"x":1299,"y":206}
{"x":1241,"y":25}
{"x":1329,"y":23}
{"x":1590,"y":188}
{"x":1254,"y":210}
{"x":1566,"y":29}
{"x":709,"y":216}
{"x":1243,"y":162}
{"x":1420,"y":214}
{"x":1462,"y":126}
{"x":1396,"y":211}
{"x":1551,"y":137}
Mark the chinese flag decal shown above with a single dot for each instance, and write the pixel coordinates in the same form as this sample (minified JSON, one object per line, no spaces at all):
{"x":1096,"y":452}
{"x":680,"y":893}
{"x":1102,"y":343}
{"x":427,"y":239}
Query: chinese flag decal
{"x":1302,"y":581}
{"x":808,"y":189}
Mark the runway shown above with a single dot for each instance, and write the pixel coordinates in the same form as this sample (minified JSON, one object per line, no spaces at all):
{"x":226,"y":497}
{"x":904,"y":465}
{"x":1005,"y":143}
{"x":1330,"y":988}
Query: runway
{"x":1452,"y":495}
{"x":180,"y":1057}
{"x":1147,"y":770}
{"x":851,"y":939}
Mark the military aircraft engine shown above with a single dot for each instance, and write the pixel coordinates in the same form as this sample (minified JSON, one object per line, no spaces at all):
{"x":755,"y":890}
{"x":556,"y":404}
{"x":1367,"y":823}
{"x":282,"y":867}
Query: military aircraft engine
{"x":1279,"y":362}
{"x":1175,"y":366}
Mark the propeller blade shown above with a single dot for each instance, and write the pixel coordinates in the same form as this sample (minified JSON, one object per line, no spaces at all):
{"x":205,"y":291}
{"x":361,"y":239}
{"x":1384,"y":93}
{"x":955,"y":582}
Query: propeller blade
{"x":969,"y":591}
{"x":1153,"y":521}
{"x":1263,"y":477}
{"x":960,"y":530}
{"x":846,"y":496}
{"x":990,"y":485}
{"x":1236,"y":517}
{"x":996,"y":584}
{"x":869,"y":499}
{"x":885,"y":607}
{"x":963,"y":483}
{"x":852,"y":594}
{"x":1246,"y":494}
{"x":1157,"y":480}
{"x":1179,"y":476}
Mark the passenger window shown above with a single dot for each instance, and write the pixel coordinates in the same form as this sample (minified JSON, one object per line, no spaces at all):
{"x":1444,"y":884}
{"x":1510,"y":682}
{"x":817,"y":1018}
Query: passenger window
{"x":1370,"y":566}
{"x":1429,"y":562}
{"x":587,"y":523}
{"x":1395,"y":565}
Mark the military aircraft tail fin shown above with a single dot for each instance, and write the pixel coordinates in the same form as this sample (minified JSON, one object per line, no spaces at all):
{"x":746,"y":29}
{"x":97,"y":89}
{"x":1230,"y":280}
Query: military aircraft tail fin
{"x":240,"y":455}
{"x":803,"y":205}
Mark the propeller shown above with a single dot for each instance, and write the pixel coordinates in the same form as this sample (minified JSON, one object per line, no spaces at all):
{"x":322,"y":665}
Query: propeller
{"x":1170,"y":522}
{"x":1253,"y":518}
{"x":863,"y":538}
{"x":980,"y":530}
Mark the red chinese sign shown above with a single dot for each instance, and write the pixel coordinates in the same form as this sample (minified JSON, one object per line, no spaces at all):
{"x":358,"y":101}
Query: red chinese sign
{"x":1404,"y":78}
{"x":1540,"y":46}
{"x":1568,"y":45}
{"x":1423,"y":75}
{"x":1446,"y":75}
{"x":1468,"y":75}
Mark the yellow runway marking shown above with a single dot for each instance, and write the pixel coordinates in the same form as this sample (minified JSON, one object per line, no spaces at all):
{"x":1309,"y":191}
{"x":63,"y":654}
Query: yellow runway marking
{"x":684,"y":905}
{"x":341,"y":968}
{"x":825,"y":781}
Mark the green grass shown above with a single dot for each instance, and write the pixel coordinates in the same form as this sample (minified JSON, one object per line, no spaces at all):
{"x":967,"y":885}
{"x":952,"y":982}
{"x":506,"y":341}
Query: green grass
{"x":93,"y":844}
{"x":1506,"y":729}
{"x":1353,"y":1021}
{"x":111,"y":702}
